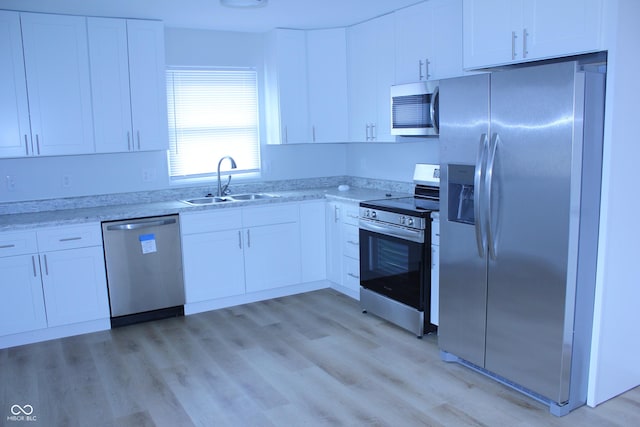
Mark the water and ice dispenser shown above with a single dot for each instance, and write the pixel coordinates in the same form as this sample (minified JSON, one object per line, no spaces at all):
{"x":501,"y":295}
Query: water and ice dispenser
{"x":461,"y":191}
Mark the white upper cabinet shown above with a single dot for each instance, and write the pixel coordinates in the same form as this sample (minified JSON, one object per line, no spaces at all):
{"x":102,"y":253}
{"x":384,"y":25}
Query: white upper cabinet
{"x":148,"y":84}
{"x":371,"y":72}
{"x":129,"y":92}
{"x":307,"y":86}
{"x":428,"y":41}
{"x":497,"y":32}
{"x":56,"y":59}
{"x":327,"y":84}
{"x":287,"y":87}
{"x":15,"y":133}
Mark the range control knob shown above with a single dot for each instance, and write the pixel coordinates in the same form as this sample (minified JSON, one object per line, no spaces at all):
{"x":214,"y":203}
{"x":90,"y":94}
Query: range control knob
{"x":410,"y":221}
{"x":402,"y":220}
{"x":373,"y":214}
{"x":366,"y":213}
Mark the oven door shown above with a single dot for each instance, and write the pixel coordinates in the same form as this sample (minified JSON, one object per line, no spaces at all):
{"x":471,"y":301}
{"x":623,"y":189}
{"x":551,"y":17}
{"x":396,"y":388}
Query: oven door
{"x":393,"y":263}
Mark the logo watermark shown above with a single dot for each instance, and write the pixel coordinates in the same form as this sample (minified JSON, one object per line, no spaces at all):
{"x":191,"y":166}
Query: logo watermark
{"x":22,"y":413}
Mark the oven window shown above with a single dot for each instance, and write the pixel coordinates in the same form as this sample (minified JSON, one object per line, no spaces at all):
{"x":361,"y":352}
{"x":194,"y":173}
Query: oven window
{"x":393,"y":267}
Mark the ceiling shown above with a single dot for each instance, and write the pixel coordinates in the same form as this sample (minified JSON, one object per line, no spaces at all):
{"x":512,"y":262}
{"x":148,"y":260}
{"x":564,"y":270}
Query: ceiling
{"x":209,"y":14}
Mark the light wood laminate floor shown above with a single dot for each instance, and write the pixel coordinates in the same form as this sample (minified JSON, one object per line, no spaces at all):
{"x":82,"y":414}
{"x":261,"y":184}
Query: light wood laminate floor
{"x":306,"y":360}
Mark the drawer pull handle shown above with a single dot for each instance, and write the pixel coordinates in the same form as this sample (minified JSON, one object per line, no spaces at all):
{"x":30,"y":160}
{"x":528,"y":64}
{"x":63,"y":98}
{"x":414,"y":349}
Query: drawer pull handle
{"x":7,"y":246}
{"x":69,"y":239}
{"x":353,"y":275}
{"x":353,"y":243}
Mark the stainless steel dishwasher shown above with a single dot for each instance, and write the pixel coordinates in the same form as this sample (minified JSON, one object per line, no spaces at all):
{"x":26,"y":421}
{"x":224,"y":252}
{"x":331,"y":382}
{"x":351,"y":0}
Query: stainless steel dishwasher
{"x":144,"y":269}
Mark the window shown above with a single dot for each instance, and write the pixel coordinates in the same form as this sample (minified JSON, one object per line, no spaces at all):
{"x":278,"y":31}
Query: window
{"x":213,"y":112}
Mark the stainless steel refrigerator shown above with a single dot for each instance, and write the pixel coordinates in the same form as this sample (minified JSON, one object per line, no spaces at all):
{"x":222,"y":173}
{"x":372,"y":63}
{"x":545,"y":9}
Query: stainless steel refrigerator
{"x":521,"y":155}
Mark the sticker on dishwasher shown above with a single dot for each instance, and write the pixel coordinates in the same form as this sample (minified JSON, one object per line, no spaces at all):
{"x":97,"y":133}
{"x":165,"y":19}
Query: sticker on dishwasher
{"x":148,"y":243}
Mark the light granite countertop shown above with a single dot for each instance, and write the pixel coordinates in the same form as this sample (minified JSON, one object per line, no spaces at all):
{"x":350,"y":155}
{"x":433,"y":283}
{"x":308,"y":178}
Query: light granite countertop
{"x":49,"y":218}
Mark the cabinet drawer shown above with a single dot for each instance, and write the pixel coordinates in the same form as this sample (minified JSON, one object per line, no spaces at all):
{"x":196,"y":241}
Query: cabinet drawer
{"x":18,"y":243}
{"x":267,"y":215}
{"x":351,"y":212}
{"x":350,"y":244}
{"x":204,"y":222}
{"x":351,"y":269}
{"x":80,"y":236}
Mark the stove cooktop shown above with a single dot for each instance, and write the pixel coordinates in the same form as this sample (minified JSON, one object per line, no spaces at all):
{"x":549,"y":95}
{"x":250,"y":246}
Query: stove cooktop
{"x":414,"y":206}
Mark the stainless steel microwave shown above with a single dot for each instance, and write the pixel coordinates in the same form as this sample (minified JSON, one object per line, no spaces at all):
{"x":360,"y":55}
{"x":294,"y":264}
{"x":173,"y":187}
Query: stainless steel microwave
{"x":414,"y":109}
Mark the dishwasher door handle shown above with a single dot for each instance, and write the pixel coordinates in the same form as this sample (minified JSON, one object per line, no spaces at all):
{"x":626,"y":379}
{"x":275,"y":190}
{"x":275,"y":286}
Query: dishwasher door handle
{"x":139,"y":225}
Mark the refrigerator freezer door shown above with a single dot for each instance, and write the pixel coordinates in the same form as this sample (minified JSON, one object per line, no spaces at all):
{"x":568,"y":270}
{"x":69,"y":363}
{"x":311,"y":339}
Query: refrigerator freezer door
{"x":464,"y":112}
{"x":532,"y":112}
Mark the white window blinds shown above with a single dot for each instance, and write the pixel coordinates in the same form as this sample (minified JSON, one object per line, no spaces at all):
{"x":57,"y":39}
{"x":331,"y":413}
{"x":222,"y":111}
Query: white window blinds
{"x":212,"y":113}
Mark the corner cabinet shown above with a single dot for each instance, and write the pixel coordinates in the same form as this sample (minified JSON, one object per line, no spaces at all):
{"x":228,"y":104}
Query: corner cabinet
{"x":286,"y":88}
{"x":370,"y":68}
{"x":128,"y":82}
{"x":498,"y":32}
{"x":428,"y":41}
{"x":306,"y":77}
{"x":56,"y":62}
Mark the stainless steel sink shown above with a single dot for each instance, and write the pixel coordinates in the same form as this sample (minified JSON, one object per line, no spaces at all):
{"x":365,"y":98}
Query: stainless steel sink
{"x":252,"y":196}
{"x":209,"y":200}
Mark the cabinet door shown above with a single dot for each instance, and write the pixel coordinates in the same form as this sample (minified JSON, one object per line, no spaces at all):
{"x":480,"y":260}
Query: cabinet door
{"x":148,"y":85}
{"x":213,"y":265}
{"x":272,"y":256}
{"x":75,"y":285}
{"x":362,"y":79}
{"x":21,"y":302}
{"x":313,"y":241}
{"x":445,"y":35}
{"x":110,"y":84}
{"x":561,"y":28}
{"x":327,"y":83}
{"x":290,"y":62}
{"x":15,"y":137}
{"x":384,"y":64}
{"x":413,"y":42}
{"x":488,"y":27}
{"x":57,"y":68}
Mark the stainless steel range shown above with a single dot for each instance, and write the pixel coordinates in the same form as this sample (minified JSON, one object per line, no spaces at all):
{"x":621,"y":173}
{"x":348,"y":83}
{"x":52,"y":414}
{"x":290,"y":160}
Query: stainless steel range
{"x":395,"y":253}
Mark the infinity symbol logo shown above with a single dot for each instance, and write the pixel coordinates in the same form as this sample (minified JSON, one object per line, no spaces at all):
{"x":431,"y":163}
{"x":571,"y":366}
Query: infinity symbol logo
{"x":26,"y":409}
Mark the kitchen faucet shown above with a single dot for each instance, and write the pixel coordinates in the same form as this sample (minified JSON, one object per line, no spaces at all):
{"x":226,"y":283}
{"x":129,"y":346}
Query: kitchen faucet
{"x":226,"y":187}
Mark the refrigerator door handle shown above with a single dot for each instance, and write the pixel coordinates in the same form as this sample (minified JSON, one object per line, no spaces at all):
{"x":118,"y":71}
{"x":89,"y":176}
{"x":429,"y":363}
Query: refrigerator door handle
{"x":481,"y":161}
{"x":491,"y":238}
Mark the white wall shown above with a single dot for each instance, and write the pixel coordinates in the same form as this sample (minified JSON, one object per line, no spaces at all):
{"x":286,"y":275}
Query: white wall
{"x":615,"y":354}
{"x":391,"y":161}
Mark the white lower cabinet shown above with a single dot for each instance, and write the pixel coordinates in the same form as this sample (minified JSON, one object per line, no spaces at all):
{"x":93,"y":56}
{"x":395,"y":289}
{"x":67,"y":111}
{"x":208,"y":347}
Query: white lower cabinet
{"x":435,"y":268}
{"x":75,"y":285}
{"x":213,"y":264}
{"x":21,"y":301}
{"x":343,"y":247}
{"x":51,"y":277}
{"x":231,"y":252}
{"x":272,"y":256}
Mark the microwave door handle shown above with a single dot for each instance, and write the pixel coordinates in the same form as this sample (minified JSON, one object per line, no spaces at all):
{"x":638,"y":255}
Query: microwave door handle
{"x":433,"y":109}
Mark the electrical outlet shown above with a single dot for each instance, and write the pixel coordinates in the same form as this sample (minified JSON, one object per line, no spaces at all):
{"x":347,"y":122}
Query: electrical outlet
{"x":148,"y":175}
{"x":10,"y":181}
{"x":66,"y":181}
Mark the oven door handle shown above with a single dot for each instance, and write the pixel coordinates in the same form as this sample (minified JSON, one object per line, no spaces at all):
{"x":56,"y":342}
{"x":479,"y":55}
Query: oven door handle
{"x":393,"y":231}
